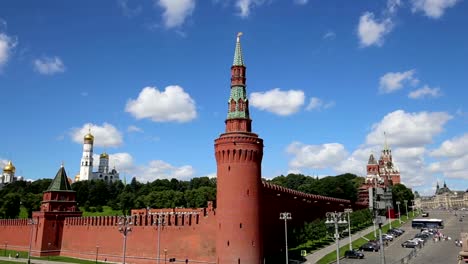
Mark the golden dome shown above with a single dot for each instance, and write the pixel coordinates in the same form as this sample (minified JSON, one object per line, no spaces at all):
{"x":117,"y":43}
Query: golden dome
{"x":9,"y":167}
{"x":104,"y":155}
{"x":89,"y":136}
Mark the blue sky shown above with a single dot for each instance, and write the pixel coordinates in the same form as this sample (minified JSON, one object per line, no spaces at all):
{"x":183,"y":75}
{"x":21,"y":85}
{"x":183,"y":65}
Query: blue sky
{"x":325,"y":80}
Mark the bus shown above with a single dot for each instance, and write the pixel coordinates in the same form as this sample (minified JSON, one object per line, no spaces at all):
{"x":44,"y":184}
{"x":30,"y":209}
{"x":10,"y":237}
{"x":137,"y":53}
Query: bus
{"x":427,"y":223}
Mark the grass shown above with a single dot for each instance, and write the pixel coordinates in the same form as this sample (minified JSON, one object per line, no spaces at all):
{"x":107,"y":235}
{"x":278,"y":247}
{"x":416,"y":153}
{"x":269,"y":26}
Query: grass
{"x":331,"y":257}
{"x":24,"y":255}
{"x":106,"y":211}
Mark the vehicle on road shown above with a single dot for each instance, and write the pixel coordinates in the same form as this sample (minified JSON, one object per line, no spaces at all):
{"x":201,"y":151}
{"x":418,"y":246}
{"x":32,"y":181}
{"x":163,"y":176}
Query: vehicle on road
{"x":425,"y":214}
{"x":409,"y":244}
{"x":353,"y":254}
{"x":427,"y":223}
{"x":386,"y":237}
{"x":369,"y":247}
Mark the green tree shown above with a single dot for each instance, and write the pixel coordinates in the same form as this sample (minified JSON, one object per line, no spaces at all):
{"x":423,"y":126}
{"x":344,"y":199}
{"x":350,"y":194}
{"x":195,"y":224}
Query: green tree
{"x":31,"y":202}
{"x":401,"y":193}
{"x":11,"y":205}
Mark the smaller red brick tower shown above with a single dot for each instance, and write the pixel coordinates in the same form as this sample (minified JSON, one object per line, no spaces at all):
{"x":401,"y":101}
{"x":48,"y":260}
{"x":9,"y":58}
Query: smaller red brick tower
{"x":239,"y":155}
{"x":58,"y":202}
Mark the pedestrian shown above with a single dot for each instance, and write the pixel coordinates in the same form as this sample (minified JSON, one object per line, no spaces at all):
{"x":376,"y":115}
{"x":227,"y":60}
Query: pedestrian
{"x":17,"y":255}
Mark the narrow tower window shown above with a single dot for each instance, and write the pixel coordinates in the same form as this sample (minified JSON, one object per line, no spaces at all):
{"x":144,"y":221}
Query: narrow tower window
{"x":228,"y":243}
{"x":240,"y":225}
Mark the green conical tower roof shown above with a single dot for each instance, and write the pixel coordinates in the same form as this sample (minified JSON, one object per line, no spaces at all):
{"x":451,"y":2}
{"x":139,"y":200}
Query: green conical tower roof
{"x":238,"y":59}
{"x":60,"y":182}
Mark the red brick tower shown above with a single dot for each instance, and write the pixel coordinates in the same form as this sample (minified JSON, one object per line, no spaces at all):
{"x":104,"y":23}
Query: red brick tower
{"x":58,"y":202}
{"x":239,"y":155}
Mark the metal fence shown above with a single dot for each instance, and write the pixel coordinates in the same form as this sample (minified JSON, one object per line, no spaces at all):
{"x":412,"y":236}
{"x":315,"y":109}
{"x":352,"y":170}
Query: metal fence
{"x":411,"y":255}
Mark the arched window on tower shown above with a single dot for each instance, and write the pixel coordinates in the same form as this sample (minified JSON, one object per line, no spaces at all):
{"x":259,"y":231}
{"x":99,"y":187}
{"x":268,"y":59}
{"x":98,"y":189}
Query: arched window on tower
{"x":241,"y":104}
{"x":232,"y":106}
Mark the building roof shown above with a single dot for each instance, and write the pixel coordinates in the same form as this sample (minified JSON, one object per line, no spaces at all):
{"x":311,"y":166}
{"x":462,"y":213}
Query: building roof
{"x":60,"y":182}
{"x":238,"y":59}
{"x":372,"y":160}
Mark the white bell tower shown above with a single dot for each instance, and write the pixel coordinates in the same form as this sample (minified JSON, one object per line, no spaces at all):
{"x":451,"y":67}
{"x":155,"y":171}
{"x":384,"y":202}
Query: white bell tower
{"x":86,"y":168}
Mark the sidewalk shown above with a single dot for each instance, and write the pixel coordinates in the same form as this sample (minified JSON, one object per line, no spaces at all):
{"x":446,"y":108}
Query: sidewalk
{"x":317,"y":255}
{"x":33,"y":261}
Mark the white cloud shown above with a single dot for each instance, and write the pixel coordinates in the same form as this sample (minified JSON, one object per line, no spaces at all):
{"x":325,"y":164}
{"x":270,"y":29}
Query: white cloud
{"x":3,"y":163}
{"x":455,"y":147}
{"x":49,"y":65}
{"x":393,"y":81}
{"x":432,"y":8}
{"x":104,"y":136}
{"x":155,"y":169}
{"x":316,"y":156}
{"x":392,"y":6}
{"x":372,"y":32}
{"x":123,"y":162}
{"x":158,"y":169}
{"x":176,"y":11}
{"x":425,"y":91}
{"x":408,"y":129}
{"x":245,"y":6}
{"x":408,"y":135}
{"x":329,"y":35}
{"x":7,"y":44}
{"x":133,"y":128}
{"x":279,"y":102}
{"x":172,"y":104}
{"x":356,"y":162}
{"x":301,"y":2}
{"x":318,"y":104}
{"x":452,"y":167}
{"x":128,"y":11}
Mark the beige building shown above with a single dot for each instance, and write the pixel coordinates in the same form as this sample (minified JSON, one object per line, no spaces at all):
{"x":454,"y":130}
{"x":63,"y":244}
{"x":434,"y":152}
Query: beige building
{"x":444,"y":198}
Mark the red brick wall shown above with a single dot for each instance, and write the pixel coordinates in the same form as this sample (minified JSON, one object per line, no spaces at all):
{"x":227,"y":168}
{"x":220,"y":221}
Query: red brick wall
{"x":183,"y":241}
{"x":16,"y":232}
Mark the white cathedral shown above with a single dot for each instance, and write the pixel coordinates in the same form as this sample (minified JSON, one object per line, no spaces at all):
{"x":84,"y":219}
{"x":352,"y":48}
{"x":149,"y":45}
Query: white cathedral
{"x":8,"y":175}
{"x":86,"y":167}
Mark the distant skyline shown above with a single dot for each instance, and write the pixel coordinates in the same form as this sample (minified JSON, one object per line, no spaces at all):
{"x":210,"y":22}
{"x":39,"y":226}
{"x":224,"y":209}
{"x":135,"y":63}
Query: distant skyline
{"x":325,"y":80}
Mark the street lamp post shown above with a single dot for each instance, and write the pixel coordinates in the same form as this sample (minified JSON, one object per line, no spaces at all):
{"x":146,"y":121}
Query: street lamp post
{"x":165,"y":255}
{"x":125,"y":227}
{"x":336,"y":218}
{"x":406,"y":205}
{"x":32,"y":223}
{"x":389,"y":218}
{"x":97,"y":252}
{"x":348,"y":211}
{"x":399,"y":213}
{"x":412,"y":202}
{"x":286,"y":216}
{"x":6,"y":245}
{"x":159,"y":222}
{"x":382,"y":252}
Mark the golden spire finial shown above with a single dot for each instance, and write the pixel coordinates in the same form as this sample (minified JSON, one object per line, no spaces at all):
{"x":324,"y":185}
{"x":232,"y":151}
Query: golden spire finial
{"x":239,"y":34}
{"x":61,"y":165}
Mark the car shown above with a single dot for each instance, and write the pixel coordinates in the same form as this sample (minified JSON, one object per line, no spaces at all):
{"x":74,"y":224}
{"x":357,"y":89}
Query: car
{"x":394,"y":233}
{"x":422,"y":236}
{"x":425,"y":214}
{"x":369,"y":247}
{"x":386,"y":237}
{"x":353,"y":254}
{"x":390,"y":236}
{"x":409,"y":244}
{"x":418,"y":240}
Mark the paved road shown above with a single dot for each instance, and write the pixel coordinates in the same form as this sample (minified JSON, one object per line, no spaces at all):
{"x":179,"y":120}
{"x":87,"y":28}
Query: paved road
{"x":319,"y":254}
{"x":393,"y":252}
{"x":441,"y":252}
{"x":444,"y":251}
